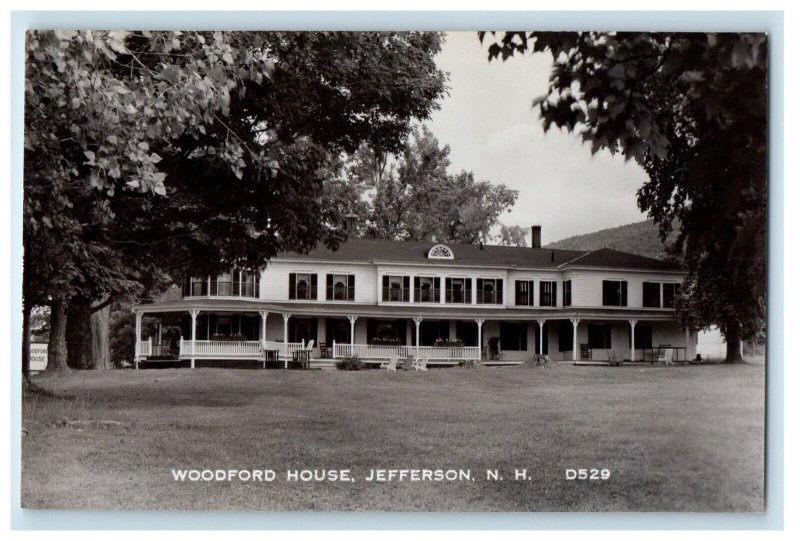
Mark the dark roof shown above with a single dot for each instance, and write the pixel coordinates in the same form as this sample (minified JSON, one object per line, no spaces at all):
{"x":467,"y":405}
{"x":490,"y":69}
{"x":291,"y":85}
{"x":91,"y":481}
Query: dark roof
{"x":607,"y":257}
{"x":472,"y":254}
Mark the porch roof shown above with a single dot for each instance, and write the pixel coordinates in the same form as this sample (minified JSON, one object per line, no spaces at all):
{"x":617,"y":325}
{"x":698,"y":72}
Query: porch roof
{"x":433,"y":311}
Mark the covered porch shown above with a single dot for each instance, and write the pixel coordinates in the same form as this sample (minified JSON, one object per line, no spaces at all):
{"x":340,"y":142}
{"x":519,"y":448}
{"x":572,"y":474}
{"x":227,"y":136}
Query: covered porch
{"x":199,"y":333}
{"x":210,"y":333}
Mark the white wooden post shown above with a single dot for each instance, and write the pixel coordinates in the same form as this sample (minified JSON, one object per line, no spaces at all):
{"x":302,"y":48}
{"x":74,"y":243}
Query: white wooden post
{"x":417,"y":322}
{"x":575,"y":322}
{"x":633,"y":339}
{"x":541,"y":323}
{"x":194,"y":313}
{"x":285,"y":339}
{"x":138,"y":338}
{"x":333,"y":351}
{"x":263,"y":314}
{"x":480,"y":338}
{"x":352,"y":320}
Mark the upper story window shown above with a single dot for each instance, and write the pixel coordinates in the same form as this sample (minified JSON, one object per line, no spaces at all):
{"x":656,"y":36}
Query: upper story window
{"x":426,"y":288}
{"x":490,"y":291}
{"x":651,"y":295}
{"x":548,"y":294}
{"x":440,"y":251}
{"x":458,"y":290}
{"x":523,"y":292}
{"x":340,"y":287}
{"x":615,"y":293}
{"x":237,"y":283}
{"x":396,"y":289}
{"x":302,"y":286}
{"x":670,"y":292}
{"x":566,"y":285}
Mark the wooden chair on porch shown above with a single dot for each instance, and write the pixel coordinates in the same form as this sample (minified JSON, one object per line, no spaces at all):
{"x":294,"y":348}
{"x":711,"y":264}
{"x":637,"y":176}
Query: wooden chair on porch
{"x":666,"y":356}
{"x":390,"y":365}
{"x":613,"y":358}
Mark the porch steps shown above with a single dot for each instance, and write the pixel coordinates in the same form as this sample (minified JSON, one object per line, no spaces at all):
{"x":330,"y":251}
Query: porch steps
{"x":323,"y":364}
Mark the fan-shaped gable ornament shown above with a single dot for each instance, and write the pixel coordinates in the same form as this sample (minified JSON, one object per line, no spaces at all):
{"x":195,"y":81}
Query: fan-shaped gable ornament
{"x":440,"y":251}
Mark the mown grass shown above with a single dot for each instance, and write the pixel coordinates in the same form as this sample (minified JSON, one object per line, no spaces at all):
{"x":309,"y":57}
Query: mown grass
{"x":674,"y":438}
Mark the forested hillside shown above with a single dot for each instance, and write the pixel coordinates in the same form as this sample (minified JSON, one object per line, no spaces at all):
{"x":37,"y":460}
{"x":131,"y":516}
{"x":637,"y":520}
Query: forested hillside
{"x":640,"y":238}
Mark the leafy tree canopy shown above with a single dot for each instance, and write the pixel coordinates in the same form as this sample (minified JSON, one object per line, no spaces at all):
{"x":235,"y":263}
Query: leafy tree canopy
{"x":411,"y":196}
{"x":204,"y":146}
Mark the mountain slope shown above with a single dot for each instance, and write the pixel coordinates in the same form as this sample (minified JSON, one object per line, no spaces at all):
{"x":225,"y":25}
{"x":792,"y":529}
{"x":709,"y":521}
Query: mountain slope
{"x":639,"y":238}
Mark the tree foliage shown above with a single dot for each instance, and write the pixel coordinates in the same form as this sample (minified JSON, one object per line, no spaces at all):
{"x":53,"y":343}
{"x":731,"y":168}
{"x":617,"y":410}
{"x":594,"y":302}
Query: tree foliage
{"x":147,"y":153}
{"x":411,"y":196}
{"x":692,"y":110}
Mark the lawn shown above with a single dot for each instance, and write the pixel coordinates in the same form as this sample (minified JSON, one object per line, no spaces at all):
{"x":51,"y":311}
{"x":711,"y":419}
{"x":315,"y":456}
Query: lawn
{"x":682,"y":438}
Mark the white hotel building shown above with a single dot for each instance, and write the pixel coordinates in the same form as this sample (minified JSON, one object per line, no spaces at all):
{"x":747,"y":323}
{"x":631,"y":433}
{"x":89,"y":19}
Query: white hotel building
{"x":448,"y":302}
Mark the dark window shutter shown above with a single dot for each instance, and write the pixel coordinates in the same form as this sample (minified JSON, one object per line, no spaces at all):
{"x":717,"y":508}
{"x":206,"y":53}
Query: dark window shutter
{"x":623,"y":286}
{"x":554,"y":293}
{"x":292,"y":285}
{"x":499,"y":298}
{"x":351,"y":286}
{"x":385,"y":281}
{"x":406,"y":287}
{"x":416,"y":283}
{"x":313,"y":292}
{"x":437,"y":284}
{"x":530,"y":293}
{"x":312,"y":332}
{"x":542,"y":295}
{"x":468,"y":290}
{"x":329,"y":287}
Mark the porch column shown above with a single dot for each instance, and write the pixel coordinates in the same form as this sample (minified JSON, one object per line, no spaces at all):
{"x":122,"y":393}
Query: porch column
{"x":633,"y":323}
{"x":541,"y":323}
{"x":417,"y":322}
{"x":194,"y":313}
{"x":575,"y":322}
{"x":352,"y":320}
{"x":138,"y":338}
{"x":263,"y":314}
{"x":286,"y":339}
{"x":480,"y":338}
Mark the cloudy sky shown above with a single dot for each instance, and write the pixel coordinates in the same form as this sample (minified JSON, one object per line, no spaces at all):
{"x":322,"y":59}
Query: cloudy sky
{"x":492,"y":130}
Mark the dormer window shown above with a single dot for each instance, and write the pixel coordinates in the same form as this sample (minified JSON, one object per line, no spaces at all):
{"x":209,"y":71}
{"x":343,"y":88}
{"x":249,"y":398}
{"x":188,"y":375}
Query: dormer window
{"x":440,"y":251}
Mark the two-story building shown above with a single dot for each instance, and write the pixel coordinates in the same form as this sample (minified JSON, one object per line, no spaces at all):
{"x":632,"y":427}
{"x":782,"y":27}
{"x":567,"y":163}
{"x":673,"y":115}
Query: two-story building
{"x":448,"y":302}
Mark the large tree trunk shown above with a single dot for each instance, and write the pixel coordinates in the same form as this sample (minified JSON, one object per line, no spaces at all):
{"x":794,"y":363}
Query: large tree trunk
{"x":79,"y":333}
{"x":101,"y":353}
{"x":57,"y":347}
{"x":26,"y":341}
{"x":733,"y":341}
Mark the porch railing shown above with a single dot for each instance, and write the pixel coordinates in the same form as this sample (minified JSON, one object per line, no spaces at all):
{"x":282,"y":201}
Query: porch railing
{"x":253,"y":349}
{"x":367,"y":351}
{"x":145,"y":348}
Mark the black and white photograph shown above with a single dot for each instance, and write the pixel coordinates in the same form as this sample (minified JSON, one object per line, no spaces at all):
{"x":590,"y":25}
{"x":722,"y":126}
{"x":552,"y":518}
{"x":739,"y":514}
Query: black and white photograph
{"x":396,"y":271}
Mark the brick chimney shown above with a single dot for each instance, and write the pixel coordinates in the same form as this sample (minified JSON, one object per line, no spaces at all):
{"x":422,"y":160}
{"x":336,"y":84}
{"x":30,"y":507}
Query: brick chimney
{"x":350,"y":220}
{"x":536,"y":236}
